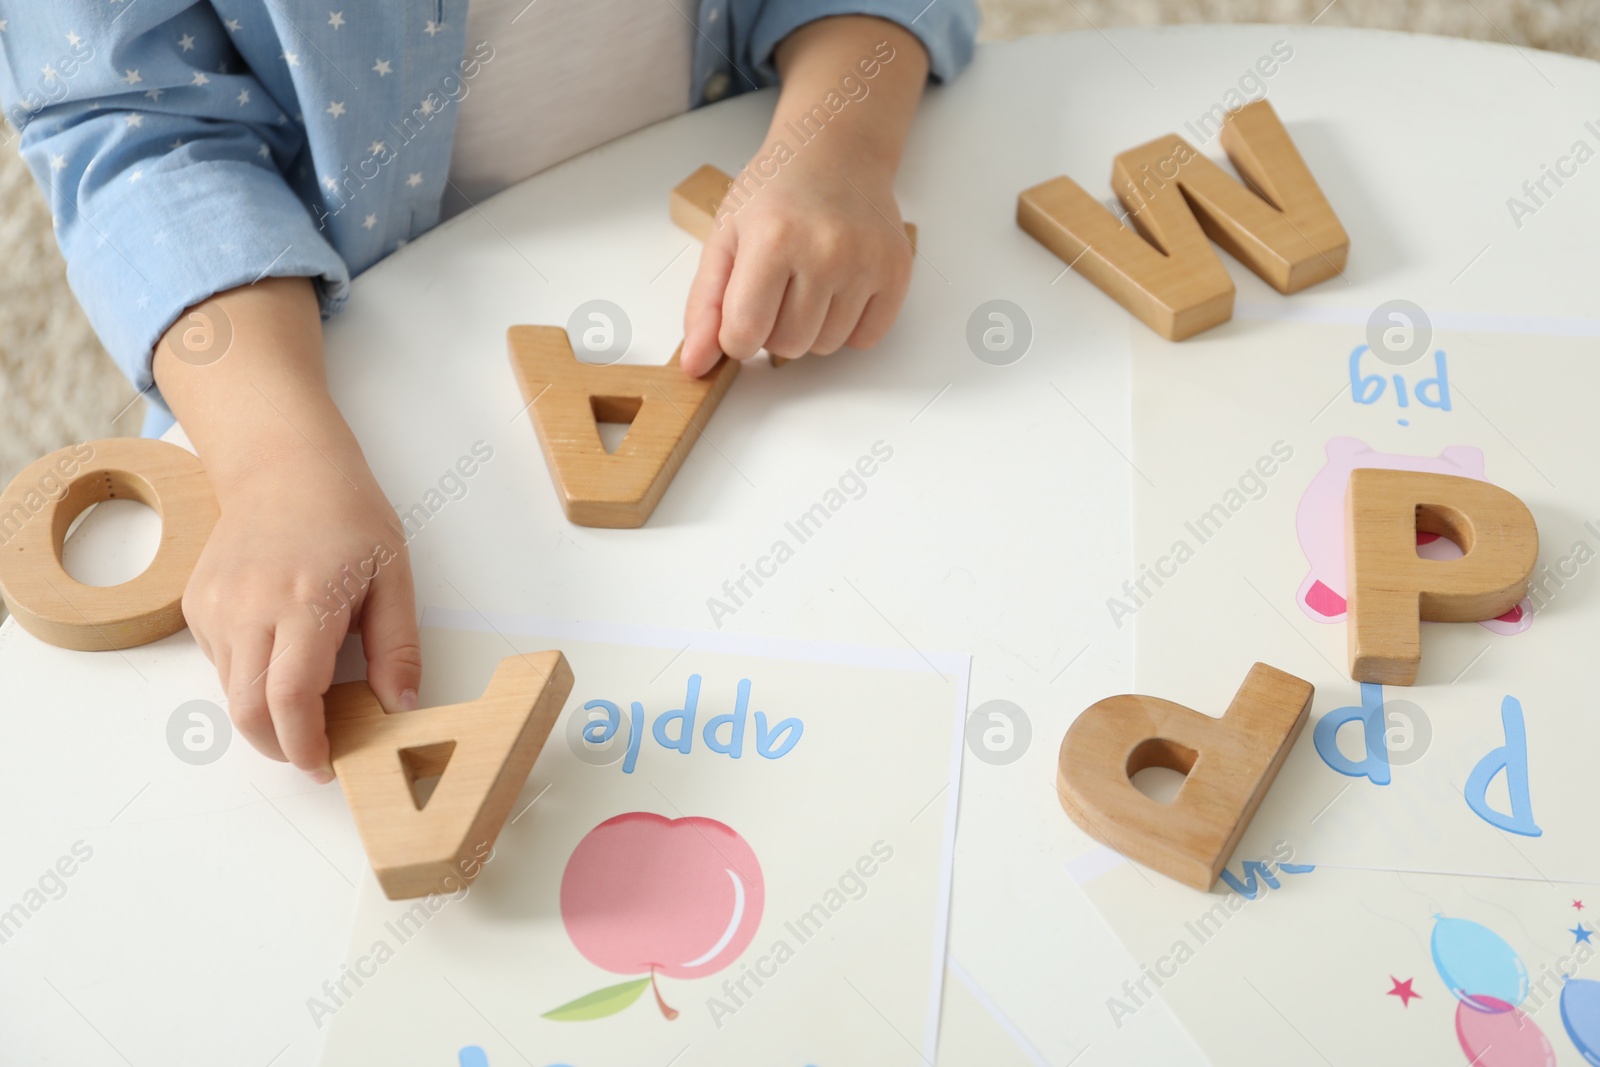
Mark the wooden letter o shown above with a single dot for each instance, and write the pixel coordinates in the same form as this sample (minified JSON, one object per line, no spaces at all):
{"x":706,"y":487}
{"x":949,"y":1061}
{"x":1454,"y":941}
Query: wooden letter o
{"x":38,"y":508}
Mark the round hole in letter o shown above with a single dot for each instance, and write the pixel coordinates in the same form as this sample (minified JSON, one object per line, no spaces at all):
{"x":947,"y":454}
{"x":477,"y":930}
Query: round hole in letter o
{"x":38,"y":508}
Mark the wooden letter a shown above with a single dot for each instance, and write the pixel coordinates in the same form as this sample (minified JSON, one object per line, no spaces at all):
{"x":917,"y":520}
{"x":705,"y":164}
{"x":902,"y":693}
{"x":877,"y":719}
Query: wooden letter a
{"x":1228,"y":765}
{"x":567,"y":399}
{"x":1281,"y":227}
{"x":482,"y":752}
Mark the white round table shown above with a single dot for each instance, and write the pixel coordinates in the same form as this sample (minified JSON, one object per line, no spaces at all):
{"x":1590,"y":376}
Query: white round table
{"x":218,"y":898}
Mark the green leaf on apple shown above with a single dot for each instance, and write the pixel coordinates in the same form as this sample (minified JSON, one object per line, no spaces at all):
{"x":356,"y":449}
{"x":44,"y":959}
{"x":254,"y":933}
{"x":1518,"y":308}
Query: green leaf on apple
{"x":600,"y":1003}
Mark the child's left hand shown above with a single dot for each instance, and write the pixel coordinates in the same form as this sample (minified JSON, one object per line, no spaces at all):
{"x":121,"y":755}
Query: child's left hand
{"x":808,"y":252}
{"x":815,"y":259}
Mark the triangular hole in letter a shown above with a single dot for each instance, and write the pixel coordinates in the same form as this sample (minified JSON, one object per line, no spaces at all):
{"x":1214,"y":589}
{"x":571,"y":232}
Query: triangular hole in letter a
{"x":613,"y":418}
{"x":423,"y":767}
{"x":569,"y":400}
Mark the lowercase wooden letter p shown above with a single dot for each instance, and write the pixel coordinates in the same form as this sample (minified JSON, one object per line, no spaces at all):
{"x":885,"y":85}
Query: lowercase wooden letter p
{"x":1228,"y":764}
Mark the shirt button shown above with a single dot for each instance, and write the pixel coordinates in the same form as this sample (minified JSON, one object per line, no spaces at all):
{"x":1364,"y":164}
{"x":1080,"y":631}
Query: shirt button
{"x":717,"y":86}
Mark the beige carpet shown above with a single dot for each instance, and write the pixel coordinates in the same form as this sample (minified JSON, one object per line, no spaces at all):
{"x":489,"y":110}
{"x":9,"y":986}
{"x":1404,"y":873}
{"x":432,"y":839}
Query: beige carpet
{"x":57,"y":386}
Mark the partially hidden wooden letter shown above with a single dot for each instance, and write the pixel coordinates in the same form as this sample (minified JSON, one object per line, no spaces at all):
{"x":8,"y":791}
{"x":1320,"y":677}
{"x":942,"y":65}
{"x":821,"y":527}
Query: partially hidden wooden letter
{"x":38,"y":508}
{"x":695,"y":201}
{"x":1391,"y":589}
{"x":1281,"y":227}
{"x":482,"y":752}
{"x":568,"y":398}
{"x":1229,"y":763}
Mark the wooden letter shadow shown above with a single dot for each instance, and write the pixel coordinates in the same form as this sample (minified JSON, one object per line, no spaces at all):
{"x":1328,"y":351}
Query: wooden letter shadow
{"x":1391,"y":589}
{"x":568,"y":398}
{"x":482,"y":751}
{"x":1229,"y":764}
{"x":1170,"y":278}
{"x":38,"y":508}
{"x":694,"y":203}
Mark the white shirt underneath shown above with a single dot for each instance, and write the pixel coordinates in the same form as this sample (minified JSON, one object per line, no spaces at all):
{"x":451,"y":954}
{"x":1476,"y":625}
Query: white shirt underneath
{"x":566,"y":75}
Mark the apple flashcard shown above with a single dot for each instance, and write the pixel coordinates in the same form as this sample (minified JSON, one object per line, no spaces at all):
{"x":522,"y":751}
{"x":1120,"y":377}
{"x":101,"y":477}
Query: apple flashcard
{"x":730,"y":850}
{"x":1245,"y":440}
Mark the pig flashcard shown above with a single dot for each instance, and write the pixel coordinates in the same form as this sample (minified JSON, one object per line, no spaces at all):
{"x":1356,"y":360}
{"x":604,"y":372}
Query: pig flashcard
{"x":1484,"y":766}
{"x":729,"y":851}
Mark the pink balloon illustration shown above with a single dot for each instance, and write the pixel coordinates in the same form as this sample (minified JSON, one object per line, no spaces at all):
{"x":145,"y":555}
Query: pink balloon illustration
{"x":646,"y":895}
{"x":1500,"y":1035}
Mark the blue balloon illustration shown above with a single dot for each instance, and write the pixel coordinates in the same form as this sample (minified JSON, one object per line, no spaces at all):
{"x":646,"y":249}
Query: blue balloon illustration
{"x":1580,"y":1013}
{"x":1476,"y":964}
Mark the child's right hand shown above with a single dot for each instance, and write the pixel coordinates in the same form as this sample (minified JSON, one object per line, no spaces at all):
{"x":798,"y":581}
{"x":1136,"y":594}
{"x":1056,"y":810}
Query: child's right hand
{"x":307,"y":548}
{"x":302,"y":555}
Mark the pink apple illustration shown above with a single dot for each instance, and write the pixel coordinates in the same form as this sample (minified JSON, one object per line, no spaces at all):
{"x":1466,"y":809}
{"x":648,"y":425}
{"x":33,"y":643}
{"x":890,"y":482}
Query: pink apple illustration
{"x":646,"y":895}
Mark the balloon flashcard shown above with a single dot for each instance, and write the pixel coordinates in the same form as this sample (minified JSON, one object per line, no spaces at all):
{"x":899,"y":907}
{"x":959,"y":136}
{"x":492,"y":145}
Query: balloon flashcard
{"x":1362,"y":966}
{"x":724,"y":842}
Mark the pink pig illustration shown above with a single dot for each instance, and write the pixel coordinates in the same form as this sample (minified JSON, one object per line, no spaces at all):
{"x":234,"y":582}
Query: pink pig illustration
{"x":1320,"y":525}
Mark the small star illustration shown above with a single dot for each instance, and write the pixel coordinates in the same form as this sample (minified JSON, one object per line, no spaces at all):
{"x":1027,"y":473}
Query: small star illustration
{"x":243,"y":97}
{"x":336,"y":19}
{"x":335,"y":108}
{"x":331,"y":184}
{"x":1578,"y":904}
{"x":414,"y":180}
{"x":132,"y":77}
{"x":264,"y":152}
{"x":432,"y":27}
{"x":369,"y":222}
{"x":154,"y":93}
{"x":428,"y":107}
{"x":375,"y":148}
{"x":58,"y":163}
{"x":49,"y":73}
{"x":74,"y":40}
{"x":1580,"y":933}
{"x":398,"y":245}
{"x":222,"y":68}
{"x":135,"y":176}
{"x":3,"y":25}
{"x":200,"y":79}
{"x":1404,"y":991}
{"x":291,"y":58}
{"x":382,"y":67}
{"x":176,"y":144}
{"x":135,"y":120}
{"x":186,"y":42}
{"x":233,"y":25}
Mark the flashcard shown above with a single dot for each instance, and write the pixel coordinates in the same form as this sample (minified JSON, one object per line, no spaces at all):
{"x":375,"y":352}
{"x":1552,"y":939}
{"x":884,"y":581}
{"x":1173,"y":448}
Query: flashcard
{"x":730,"y":851}
{"x":1289,"y":963}
{"x":1244,"y":443}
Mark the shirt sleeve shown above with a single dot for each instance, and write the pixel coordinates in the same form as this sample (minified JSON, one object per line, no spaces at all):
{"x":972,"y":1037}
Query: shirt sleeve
{"x":946,"y":28}
{"x":162,"y":159}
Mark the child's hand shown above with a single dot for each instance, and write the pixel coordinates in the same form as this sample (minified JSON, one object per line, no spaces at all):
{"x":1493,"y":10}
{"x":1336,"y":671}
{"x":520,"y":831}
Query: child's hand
{"x":307,"y":548}
{"x":808,"y":252}
{"x":810,"y":261}
{"x":300,"y":557}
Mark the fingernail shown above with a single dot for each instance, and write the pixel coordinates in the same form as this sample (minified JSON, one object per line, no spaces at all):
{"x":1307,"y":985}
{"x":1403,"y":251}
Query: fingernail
{"x":322,"y":775}
{"x":408,"y":700}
